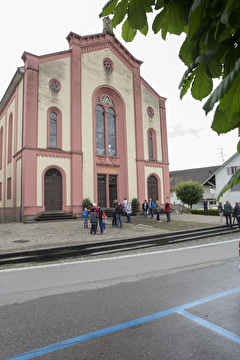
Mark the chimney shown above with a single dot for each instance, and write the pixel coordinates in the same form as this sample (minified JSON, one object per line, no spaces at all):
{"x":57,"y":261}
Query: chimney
{"x":107,"y":25}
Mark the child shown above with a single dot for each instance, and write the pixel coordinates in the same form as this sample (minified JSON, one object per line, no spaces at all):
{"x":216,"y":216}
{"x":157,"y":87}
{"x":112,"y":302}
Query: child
{"x":104,"y":222}
{"x":94,"y":221}
{"x":85,"y":217}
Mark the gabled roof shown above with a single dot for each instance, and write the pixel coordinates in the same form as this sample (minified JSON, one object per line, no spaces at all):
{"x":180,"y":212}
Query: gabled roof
{"x":226,"y":162}
{"x":201,"y":175}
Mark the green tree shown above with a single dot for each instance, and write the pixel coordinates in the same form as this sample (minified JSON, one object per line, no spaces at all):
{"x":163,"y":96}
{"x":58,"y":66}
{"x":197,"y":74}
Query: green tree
{"x":135,"y":206}
{"x":189,"y":192}
{"x":210,"y":49}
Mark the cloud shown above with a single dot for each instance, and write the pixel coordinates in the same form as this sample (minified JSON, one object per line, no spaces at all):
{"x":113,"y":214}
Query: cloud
{"x":178,"y":130}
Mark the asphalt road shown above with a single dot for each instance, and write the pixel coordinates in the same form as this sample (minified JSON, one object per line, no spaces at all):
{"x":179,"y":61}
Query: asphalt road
{"x":175,"y":304}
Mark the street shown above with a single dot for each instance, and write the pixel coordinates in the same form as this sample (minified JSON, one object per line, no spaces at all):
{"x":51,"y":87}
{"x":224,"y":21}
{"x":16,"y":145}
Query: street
{"x":181,"y":303}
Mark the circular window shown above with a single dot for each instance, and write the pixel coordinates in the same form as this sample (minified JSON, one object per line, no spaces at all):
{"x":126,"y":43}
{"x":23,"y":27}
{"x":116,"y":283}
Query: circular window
{"x":150,"y":111}
{"x":106,"y":100}
{"x":54,"y":85}
{"x":108,"y":64}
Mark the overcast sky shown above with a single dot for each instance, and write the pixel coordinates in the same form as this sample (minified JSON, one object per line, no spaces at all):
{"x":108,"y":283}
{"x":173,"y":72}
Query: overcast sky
{"x":41,"y":28}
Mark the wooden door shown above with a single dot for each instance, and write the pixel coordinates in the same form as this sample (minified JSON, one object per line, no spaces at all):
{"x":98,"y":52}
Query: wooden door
{"x":101,"y":180}
{"x":152,"y":188}
{"x":53,"y":190}
{"x":112,"y":189}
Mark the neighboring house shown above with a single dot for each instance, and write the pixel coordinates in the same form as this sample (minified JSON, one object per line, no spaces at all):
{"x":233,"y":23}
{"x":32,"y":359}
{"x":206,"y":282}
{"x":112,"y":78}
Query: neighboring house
{"x":223,"y":175}
{"x":81,"y":123}
{"x":204,"y":176}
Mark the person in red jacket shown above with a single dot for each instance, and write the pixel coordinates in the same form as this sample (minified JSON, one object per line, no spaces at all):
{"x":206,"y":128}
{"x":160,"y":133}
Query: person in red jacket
{"x":168,"y":210}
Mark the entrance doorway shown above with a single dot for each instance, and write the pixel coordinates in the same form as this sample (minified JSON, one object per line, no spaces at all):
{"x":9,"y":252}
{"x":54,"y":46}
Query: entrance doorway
{"x":112,"y":189}
{"x":153,"y":188}
{"x":53,"y":190}
{"x":101,"y":180}
{"x":107,"y":190}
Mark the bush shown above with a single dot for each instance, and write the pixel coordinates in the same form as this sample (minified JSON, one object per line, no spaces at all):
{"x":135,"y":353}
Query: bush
{"x":86,"y":203}
{"x":212,"y":212}
{"x":135,"y":206}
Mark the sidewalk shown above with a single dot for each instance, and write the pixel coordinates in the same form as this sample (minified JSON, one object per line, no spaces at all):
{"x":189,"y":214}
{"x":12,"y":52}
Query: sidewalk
{"x":19,"y":236}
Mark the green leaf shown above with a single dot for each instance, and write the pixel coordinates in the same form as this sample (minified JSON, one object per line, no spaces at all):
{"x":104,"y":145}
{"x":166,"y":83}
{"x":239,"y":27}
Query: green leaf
{"x":120,"y":13}
{"x":159,"y":4}
{"x":234,"y":180}
{"x":144,"y":30}
{"x":108,"y":8}
{"x":188,"y":51}
{"x":171,"y":19}
{"x":196,"y":17}
{"x":223,"y":123}
{"x":186,"y":85}
{"x":230,"y":102}
{"x":136,"y":14}
{"x":238,"y":147}
{"x":202,"y":83}
{"x":158,"y":22}
{"x":215,"y":67}
{"x":128,"y":33}
{"x":221,"y":89}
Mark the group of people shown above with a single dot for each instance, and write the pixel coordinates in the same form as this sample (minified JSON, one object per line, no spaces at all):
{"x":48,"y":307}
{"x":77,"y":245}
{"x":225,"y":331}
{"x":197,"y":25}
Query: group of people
{"x":229,"y":212}
{"x":97,"y":217}
{"x":149,"y":207}
{"x":120,"y":209}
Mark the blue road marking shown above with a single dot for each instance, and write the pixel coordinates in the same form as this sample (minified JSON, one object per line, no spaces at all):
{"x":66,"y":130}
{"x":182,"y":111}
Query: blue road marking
{"x":179,"y":309}
{"x":211,"y":326}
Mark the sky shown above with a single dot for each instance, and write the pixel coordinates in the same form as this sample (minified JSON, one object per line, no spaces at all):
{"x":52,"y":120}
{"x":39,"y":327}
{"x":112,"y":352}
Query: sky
{"x":41,"y":28}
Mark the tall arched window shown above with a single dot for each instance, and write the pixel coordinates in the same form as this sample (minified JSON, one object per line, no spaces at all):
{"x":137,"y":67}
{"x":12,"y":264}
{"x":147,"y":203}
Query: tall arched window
{"x":100,"y":130}
{"x":105,"y":127}
{"x":111,"y":132}
{"x":10,"y":130}
{"x":150,"y":145}
{"x":53,"y":129}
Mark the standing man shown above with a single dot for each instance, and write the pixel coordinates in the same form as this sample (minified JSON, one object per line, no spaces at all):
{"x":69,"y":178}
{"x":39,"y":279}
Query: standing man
{"x":129,"y":212}
{"x":228,"y":213}
{"x":100,"y":217}
{"x":237,"y":213}
{"x":167,"y":210}
{"x":158,"y":208}
{"x":145,"y":208}
{"x":151,"y":207}
{"x":119,"y":211}
{"x":205,"y":207}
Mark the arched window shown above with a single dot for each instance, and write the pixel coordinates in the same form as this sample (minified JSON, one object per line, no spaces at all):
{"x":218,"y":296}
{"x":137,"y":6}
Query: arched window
{"x":100,"y":130}
{"x":111,"y":132}
{"x":10,"y":130}
{"x":54,"y":128}
{"x":150,"y":145}
{"x":105,"y":127}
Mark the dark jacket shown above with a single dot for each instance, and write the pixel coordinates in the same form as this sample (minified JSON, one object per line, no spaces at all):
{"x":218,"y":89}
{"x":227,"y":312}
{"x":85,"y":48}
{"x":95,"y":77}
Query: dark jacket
{"x":237,"y":210}
{"x":94,"y":218}
{"x":228,"y":208}
{"x":144,"y":205}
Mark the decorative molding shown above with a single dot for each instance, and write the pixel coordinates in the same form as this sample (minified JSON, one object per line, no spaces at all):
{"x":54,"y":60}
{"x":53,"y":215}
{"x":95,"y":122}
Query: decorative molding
{"x":54,"y":156}
{"x":107,"y":160}
{"x":129,"y":63}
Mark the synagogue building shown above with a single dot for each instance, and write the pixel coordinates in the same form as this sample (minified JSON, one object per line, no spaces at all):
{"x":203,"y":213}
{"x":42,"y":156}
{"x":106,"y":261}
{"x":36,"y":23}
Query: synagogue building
{"x":79,"y":124}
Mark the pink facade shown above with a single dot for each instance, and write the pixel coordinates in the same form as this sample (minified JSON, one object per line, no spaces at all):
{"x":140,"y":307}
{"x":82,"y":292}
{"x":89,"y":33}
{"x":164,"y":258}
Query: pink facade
{"x":43,"y":134}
